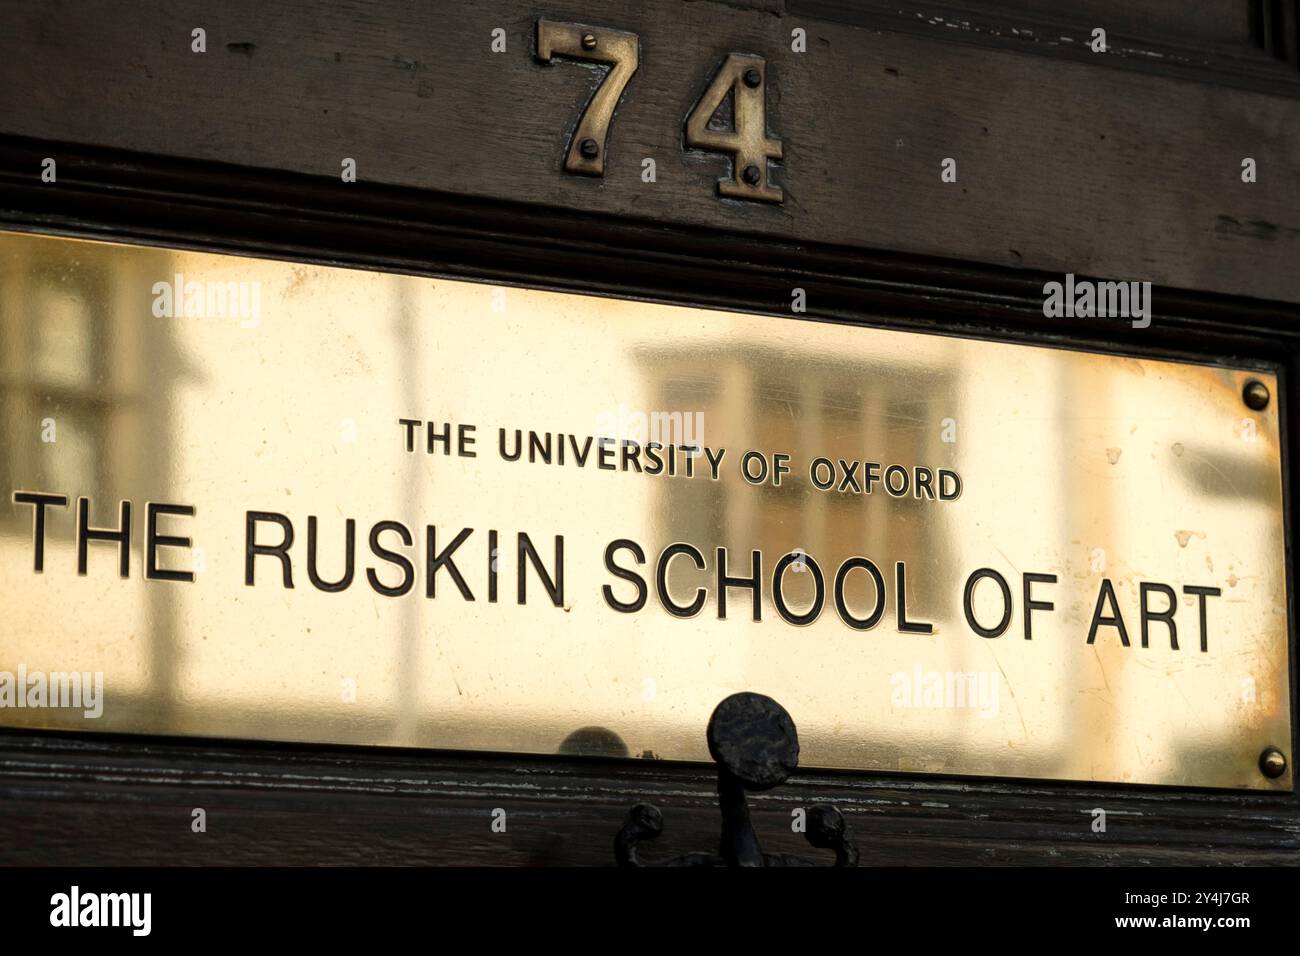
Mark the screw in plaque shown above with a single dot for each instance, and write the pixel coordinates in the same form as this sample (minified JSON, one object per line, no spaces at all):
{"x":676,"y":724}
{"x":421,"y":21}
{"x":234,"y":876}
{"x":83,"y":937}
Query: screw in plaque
{"x":754,"y":743}
{"x":1272,"y":763}
{"x":1255,"y":395}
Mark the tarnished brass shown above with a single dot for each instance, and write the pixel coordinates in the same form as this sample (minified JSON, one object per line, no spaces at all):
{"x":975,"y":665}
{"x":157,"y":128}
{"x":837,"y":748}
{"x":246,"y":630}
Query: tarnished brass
{"x":586,"y":151}
{"x":748,"y":141}
{"x":1013,"y":504}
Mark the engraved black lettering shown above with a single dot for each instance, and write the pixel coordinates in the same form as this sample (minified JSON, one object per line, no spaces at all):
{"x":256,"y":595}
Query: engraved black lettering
{"x":949,"y":485}
{"x":1115,"y":620}
{"x":625,"y":574}
{"x":751,"y":582}
{"x":1166,"y":616}
{"x":39,"y":501}
{"x":410,"y":424}
{"x":349,"y":557}
{"x":1203,"y":593}
{"x":691,"y":452}
{"x":819,"y":467}
{"x":501,"y":445}
{"x":871,"y":475}
{"x":715,"y":463}
{"x":437,"y":561}
{"x":1030,"y":579}
{"x":849,"y":476}
{"x":630,"y":454}
{"x":554,"y":586}
{"x":154,"y":541}
{"x":780,"y":467}
{"x":493,"y":553}
{"x":904,"y":625}
{"x":539,"y":446}
{"x":841,"y":605}
{"x":580,"y":456}
{"x":394,"y":557}
{"x":968,"y":603}
{"x":924,"y":476}
{"x":778,"y":597}
{"x":754,"y":473}
{"x":252,"y":549}
{"x":465,"y":441}
{"x":120,"y":534}
{"x":442,"y":436}
{"x":655,"y":461}
{"x":897,"y":471}
{"x":661,"y":581}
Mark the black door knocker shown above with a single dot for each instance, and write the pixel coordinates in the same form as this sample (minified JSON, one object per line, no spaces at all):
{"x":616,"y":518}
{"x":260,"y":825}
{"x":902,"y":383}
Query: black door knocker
{"x":754,"y":743}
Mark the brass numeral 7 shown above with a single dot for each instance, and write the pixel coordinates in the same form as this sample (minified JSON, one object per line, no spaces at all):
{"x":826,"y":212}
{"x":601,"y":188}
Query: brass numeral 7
{"x":586,"y":153}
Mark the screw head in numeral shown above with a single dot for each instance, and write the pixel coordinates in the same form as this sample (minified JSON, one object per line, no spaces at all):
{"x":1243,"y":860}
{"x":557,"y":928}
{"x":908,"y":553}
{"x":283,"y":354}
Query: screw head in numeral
{"x":589,"y":41}
{"x":752,"y":175}
{"x":589,"y":149}
{"x":753,"y":78}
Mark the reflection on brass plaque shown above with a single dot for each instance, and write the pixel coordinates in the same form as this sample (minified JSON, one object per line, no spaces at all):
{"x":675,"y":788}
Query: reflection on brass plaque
{"x":247,"y":498}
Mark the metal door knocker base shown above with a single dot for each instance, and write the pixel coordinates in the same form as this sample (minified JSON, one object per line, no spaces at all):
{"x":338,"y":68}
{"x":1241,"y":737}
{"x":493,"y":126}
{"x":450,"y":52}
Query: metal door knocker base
{"x":754,"y":742}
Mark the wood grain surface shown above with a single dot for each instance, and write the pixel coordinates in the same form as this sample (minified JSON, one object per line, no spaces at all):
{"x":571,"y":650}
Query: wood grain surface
{"x":125,"y":802}
{"x":1064,"y":164}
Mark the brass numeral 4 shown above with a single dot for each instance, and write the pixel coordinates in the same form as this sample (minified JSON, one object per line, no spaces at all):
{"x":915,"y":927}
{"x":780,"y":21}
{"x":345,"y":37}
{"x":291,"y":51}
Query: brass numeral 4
{"x":745,"y":78}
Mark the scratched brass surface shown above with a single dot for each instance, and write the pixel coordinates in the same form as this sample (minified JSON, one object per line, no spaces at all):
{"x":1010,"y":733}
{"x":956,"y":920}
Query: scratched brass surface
{"x":1084,"y":466}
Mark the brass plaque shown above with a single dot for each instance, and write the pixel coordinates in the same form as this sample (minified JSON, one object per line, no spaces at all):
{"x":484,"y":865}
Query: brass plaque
{"x":258,"y":499}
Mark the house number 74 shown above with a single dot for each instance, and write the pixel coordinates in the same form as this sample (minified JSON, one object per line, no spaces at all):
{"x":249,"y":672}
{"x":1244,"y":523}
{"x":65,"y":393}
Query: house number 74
{"x":742,"y":76}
